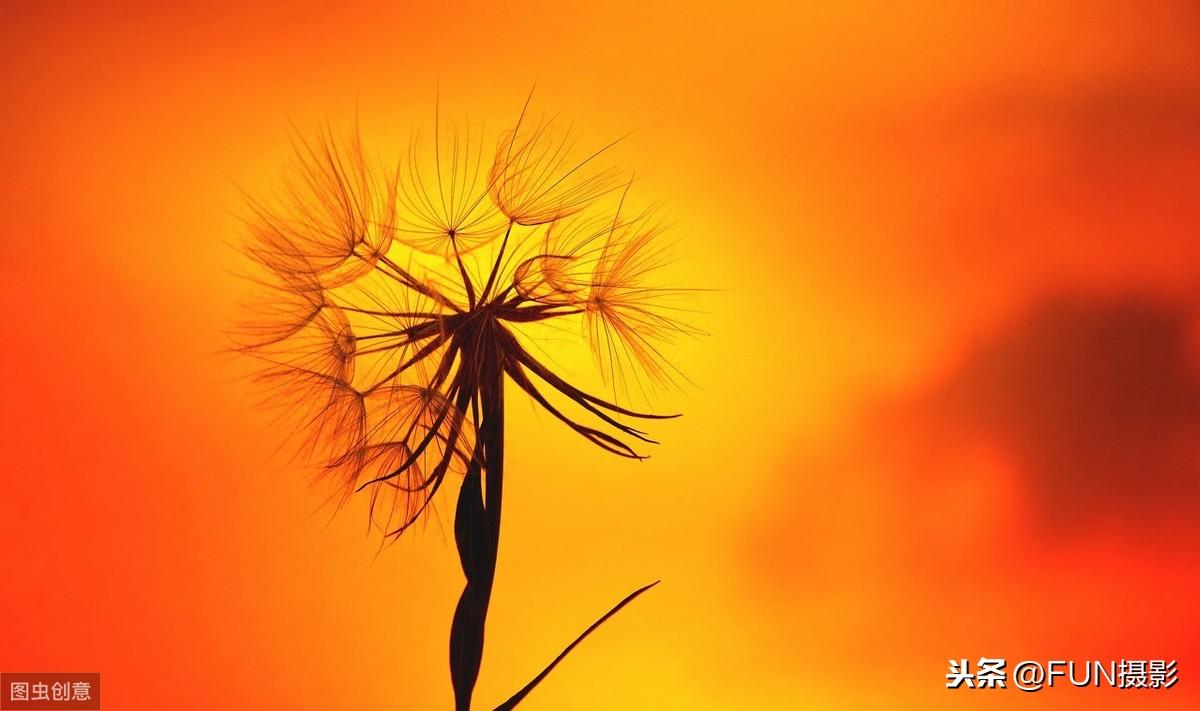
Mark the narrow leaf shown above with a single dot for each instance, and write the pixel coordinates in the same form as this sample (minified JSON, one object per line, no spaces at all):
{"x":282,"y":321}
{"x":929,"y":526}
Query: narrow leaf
{"x":520,"y":695}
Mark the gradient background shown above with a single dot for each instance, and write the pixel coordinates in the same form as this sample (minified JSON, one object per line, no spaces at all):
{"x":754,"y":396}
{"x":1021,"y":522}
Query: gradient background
{"x":949,"y":406}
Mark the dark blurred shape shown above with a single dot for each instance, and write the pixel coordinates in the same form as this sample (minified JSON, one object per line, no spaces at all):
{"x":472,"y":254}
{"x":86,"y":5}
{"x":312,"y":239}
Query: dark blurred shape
{"x":1127,"y":116}
{"x":1098,"y":400}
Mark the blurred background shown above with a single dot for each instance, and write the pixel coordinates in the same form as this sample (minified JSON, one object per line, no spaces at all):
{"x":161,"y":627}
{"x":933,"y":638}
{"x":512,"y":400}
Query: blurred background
{"x":948,"y":408}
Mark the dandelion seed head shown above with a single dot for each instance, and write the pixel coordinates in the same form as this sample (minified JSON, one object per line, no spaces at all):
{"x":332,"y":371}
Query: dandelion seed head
{"x":629,"y":317}
{"x":443,"y":197}
{"x":539,"y":174}
{"x":389,"y":301}
{"x":332,"y":219}
{"x":547,"y":279}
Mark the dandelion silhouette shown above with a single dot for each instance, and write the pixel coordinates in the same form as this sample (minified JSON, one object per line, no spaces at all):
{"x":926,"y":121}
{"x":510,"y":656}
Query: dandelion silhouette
{"x":385,"y":344}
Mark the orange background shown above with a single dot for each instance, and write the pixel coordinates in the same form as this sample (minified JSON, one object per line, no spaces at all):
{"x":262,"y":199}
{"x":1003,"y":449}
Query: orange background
{"x":948,"y":407}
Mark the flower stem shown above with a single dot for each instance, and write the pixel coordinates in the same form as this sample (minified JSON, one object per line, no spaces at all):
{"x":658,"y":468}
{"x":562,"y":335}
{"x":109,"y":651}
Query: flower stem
{"x":477,"y":530}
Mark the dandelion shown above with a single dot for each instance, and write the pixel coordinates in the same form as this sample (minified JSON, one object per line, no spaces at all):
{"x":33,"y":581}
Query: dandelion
{"x":445,"y":207}
{"x":385,"y":343}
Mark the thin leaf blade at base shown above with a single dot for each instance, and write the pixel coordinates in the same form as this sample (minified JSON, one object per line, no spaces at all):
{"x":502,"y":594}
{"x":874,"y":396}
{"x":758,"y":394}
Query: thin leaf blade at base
{"x":520,"y":695}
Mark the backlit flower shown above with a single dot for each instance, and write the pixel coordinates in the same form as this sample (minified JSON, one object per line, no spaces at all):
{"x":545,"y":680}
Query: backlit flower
{"x":390,"y":368}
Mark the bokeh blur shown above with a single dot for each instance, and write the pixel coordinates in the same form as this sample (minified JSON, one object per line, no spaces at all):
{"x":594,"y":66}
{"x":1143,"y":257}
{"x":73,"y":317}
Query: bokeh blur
{"x":948,"y":406}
